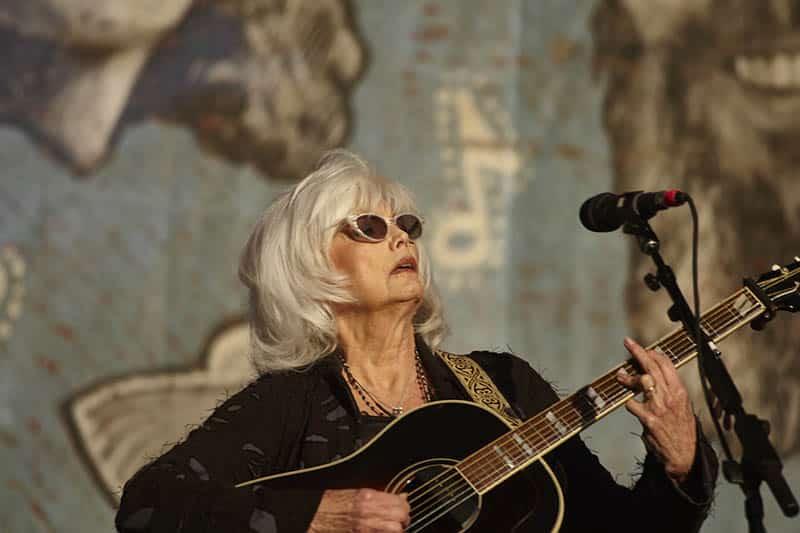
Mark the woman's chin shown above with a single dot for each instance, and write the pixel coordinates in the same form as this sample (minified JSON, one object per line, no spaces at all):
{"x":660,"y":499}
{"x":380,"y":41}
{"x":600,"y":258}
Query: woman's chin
{"x":410,"y":290}
{"x":410,"y":295}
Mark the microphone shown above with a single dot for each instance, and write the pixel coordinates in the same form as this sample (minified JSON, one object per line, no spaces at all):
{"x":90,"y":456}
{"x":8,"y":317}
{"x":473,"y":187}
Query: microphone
{"x":608,"y":211}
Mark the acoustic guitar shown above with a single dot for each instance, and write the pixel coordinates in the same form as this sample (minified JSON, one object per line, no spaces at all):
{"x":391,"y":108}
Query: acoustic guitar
{"x":463,"y":478}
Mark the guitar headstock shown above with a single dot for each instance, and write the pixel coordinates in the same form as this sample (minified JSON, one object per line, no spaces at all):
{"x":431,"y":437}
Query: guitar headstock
{"x":782,"y":286}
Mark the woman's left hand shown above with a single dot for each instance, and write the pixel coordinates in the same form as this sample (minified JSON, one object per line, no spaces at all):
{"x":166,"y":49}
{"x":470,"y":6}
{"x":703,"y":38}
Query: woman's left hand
{"x":665,"y":412}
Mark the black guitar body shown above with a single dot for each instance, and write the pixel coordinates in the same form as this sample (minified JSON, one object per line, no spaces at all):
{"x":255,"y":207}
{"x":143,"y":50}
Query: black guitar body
{"x":424,"y":443}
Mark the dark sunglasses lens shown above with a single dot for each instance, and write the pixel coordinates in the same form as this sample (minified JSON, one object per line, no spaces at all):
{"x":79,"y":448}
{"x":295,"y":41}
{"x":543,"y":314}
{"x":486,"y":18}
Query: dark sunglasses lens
{"x":372,"y":226}
{"x":411,"y":224}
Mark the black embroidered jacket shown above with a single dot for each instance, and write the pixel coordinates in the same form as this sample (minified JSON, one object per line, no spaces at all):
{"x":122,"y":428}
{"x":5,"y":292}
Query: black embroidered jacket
{"x":286,"y":421}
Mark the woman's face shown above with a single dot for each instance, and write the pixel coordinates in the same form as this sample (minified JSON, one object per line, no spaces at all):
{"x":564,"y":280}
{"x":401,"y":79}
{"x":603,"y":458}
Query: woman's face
{"x":376,"y":282}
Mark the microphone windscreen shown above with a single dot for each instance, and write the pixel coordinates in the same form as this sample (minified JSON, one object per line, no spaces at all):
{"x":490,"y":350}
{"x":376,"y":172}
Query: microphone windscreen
{"x":599,"y":213}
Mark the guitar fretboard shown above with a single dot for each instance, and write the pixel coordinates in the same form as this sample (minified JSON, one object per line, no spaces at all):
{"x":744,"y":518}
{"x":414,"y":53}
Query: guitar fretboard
{"x":499,"y":460}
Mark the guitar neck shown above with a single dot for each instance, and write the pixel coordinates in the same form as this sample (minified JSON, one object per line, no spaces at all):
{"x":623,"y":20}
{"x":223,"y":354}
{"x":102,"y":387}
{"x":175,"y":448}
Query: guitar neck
{"x":502,"y":458}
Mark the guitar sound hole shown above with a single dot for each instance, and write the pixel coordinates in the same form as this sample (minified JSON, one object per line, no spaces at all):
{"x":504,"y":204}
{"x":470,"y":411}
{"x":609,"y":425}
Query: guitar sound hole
{"x":432,"y":501}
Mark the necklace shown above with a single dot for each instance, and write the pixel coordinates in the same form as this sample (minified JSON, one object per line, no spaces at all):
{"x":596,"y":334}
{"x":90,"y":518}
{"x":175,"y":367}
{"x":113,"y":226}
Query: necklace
{"x":379,"y":407}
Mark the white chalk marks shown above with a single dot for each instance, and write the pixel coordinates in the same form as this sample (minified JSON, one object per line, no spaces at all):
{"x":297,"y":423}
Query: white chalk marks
{"x":12,"y":288}
{"x":120,"y":423}
{"x":481,"y":164}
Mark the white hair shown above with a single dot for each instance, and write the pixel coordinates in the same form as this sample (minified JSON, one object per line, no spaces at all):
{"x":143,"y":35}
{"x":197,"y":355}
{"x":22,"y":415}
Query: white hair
{"x":286,"y":268}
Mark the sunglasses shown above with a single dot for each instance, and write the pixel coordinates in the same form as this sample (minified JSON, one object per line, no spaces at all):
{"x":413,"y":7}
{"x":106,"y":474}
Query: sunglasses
{"x":370,"y":227}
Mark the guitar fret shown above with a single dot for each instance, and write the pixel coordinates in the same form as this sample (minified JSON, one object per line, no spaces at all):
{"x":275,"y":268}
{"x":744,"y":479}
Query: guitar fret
{"x":740,"y":302}
{"x":659,"y":349}
{"x":556,"y":423}
{"x":579,"y":415}
{"x":523,"y":444}
{"x":612,"y":389}
{"x":595,"y":398}
{"x":503,"y":456}
{"x":721,"y":324}
{"x":475,"y":473}
{"x":668,"y":351}
{"x":733,"y":311}
{"x":542,"y":438}
{"x":550,"y":435}
{"x":727,"y":322}
{"x":706,"y":324}
{"x":686,"y":339}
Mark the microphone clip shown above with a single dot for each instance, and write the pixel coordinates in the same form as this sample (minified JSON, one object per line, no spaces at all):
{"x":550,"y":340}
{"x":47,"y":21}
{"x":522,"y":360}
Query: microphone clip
{"x":645,"y":236}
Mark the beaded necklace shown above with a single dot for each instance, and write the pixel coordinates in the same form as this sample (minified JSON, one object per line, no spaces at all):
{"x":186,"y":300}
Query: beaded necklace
{"x":377,"y":406}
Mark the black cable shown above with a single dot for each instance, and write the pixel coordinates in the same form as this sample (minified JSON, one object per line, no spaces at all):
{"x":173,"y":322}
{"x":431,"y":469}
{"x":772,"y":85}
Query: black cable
{"x":698,"y":332}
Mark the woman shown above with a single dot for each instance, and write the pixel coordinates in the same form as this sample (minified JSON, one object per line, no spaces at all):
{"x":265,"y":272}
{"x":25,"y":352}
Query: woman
{"x":345,"y":319}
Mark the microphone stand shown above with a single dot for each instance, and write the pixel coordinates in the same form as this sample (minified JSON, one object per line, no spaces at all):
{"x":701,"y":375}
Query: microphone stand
{"x":760,"y":462}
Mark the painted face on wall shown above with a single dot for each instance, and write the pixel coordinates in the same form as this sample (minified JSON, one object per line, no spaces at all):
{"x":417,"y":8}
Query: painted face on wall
{"x":271,"y":88}
{"x":704,"y":95}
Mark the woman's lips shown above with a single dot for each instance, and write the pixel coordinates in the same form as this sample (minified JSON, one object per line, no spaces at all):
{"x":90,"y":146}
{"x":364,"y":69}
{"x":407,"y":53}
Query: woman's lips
{"x":407,"y":264}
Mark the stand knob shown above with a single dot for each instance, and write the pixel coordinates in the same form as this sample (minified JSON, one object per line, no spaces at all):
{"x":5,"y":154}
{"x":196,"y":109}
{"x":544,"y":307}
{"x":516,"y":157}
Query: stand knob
{"x":651,"y":281}
{"x":673,"y":313}
{"x":760,"y":322}
{"x":732,"y":472}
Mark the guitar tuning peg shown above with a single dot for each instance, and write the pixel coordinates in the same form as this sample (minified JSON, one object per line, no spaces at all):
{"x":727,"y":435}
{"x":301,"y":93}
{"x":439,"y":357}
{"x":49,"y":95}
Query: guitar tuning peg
{"x":775,"y":268}
{"x":796,"y":258}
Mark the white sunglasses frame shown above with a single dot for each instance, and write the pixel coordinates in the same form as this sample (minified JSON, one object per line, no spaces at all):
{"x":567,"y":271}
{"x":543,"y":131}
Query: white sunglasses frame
{"x":351,"y":222}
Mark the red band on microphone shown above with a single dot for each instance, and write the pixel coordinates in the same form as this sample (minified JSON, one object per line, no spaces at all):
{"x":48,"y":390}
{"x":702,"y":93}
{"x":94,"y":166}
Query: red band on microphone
{"x":674,"y":197}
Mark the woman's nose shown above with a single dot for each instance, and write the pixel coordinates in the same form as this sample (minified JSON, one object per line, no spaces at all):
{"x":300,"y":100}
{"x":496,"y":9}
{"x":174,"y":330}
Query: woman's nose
{"x":397,"y":236}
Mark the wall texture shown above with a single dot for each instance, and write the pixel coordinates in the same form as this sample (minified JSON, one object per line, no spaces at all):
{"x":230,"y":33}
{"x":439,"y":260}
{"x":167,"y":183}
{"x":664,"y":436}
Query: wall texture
{"x":136,"y":155}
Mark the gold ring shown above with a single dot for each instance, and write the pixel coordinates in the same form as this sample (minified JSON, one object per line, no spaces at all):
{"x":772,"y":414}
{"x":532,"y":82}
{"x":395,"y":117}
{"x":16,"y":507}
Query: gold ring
{"x":650,"y":389}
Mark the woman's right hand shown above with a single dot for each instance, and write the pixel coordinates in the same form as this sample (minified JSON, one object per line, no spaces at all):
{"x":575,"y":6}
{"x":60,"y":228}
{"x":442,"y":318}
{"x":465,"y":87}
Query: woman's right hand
{"x":360,"y":511}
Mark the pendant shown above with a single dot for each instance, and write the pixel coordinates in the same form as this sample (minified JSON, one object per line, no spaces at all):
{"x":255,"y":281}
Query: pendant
{"x":397,"y":411}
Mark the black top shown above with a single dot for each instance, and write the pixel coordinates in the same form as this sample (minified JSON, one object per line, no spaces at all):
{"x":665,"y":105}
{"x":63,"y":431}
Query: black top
{"x":286,"y":421}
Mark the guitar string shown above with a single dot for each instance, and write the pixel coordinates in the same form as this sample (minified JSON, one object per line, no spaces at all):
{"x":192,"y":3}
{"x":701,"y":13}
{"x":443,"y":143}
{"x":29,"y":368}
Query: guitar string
{"x":604,"y":381}
{"x":455,"y":490}
{"x":575,"y":415}
{"x":438,"y":512}
{"x":682,"y":337}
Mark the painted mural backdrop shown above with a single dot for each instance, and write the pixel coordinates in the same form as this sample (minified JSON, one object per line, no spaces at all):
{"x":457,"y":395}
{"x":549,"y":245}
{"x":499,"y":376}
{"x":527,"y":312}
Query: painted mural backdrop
{"x":121,"y":318}
{"x":702,"y":96}
{"x":257,"y":81}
